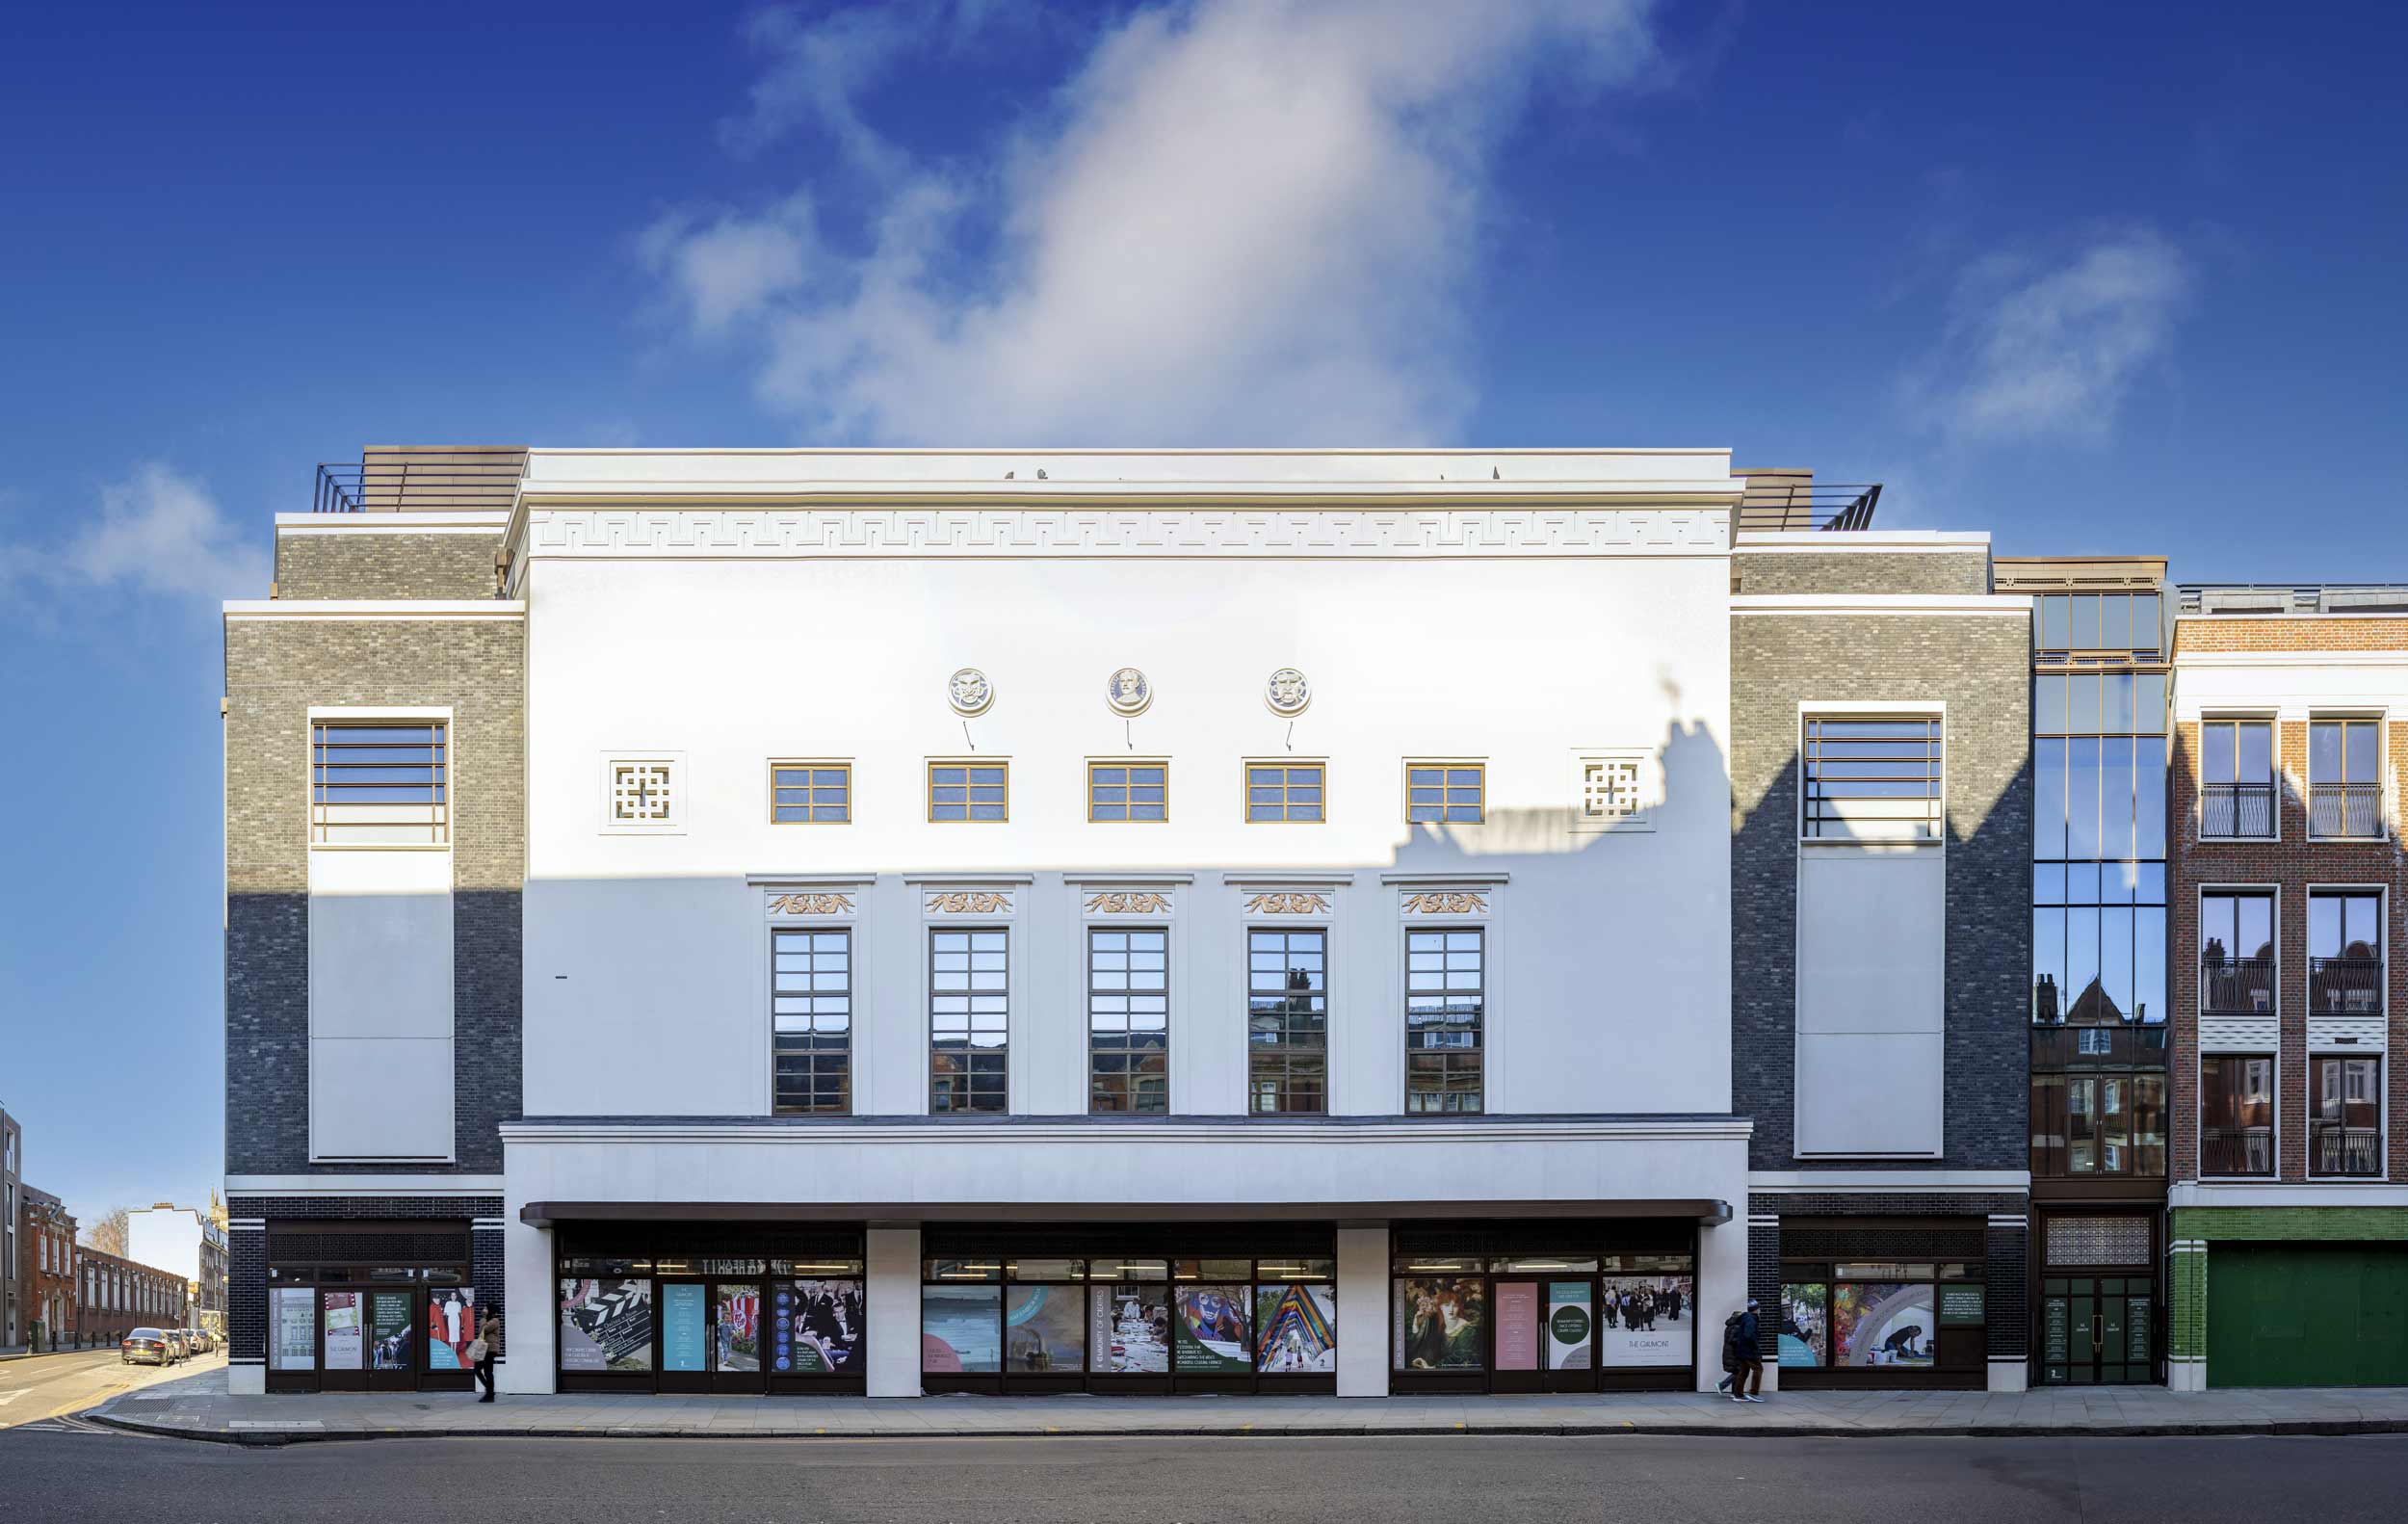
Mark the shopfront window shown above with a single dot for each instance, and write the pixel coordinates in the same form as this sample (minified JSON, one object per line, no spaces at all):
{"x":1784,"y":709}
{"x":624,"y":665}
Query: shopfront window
{"x":1116,"y":1316}
{"x":1871,"y":1315}
{"x":1441,"y":1314}
{"x":606,"y":1324}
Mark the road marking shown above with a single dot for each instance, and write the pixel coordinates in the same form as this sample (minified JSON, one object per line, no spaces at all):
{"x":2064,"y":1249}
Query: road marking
{"x":9,"y":1397}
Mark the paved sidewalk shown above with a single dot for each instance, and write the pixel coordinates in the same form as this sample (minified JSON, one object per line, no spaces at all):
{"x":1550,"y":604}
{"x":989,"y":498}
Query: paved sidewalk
{"x":199,"y":1408}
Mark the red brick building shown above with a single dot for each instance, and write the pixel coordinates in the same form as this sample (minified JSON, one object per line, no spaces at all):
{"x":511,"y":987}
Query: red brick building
{"x":115,"y":1296}
{"x":45,"y":1235}
{"x":2289,"y":1169}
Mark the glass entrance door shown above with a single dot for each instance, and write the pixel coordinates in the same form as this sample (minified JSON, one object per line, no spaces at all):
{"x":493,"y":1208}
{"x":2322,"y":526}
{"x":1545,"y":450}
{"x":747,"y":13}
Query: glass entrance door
{"x":685,"y":1336}
{"x":2096,"y":1331}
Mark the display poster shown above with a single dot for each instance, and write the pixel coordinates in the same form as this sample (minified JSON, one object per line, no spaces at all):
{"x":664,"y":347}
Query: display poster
{"x":1210,"y":1330}
{"x":736,"y":1329}
{"x":1441,"y":1322}
{"x":684,"y":1340}
{"x":962,"y":1329}
{"x":1129,"y":1329}
{"x":1045,"y":1328}
{"x":815,"y":1326}
{"x":451,"y":1327}
{"x":1805,"y":1324}
{"x":606,"y":1324}
{"x":1882,"y":1322}
{"x":1646,"y":1320}
{"x":2136,"y":1329}
{"x":1517,"y":1326}
{"x":296,"y":1329}
{"x":1295,"y":1330}
{"x":1961,"y":1305}
{"x":1570,"y":1326}
{"x":389,"y":1331}
{"x":344,"y":1347}
{"x":2056,"y":1322}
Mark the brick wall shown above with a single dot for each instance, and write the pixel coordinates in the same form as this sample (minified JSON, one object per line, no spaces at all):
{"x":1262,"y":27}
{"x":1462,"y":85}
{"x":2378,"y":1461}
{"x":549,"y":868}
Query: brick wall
{"x":247,"y":1276}
{"x":386,"y":566}
{"x":1862,"y":571}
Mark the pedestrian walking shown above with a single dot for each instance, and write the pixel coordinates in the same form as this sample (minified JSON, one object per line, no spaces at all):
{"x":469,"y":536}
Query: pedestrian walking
{"x":482,"y":1350}
{"x":1744,"y":1331}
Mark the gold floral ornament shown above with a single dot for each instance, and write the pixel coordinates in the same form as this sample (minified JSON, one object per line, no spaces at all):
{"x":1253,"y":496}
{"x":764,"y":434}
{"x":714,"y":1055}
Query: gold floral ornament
{"x":969,"y":902}
{"x":811,"y":904}
{"x":1131,"y":903}
{"x":1285,"y":903}
{"x":1452,"y":903}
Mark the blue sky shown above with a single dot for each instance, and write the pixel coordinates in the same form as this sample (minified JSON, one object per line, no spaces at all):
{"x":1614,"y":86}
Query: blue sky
{"x":2096,"y":278}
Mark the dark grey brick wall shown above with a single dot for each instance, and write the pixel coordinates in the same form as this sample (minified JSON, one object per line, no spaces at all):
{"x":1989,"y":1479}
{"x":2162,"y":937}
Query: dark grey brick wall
{"x":386,"y":566}
{"x":275,"y":670}
{"x":2006,"y":1307}
{"x":1980,"y":667}
{"x":247,"y":1276}
{"x":1864,"y":572}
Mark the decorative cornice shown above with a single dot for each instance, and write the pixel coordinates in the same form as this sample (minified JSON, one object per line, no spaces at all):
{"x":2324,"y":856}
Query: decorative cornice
{"x":968,"y":902}
{"x":1288,"y":903}
{"x":1128,"y":902}
{"x":1445,"y":902}
{"x":811,"y":904}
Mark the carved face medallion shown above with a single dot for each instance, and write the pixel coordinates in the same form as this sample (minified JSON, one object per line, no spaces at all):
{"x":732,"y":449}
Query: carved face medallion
{"x":970,"y":692}
{"x":1287,"y":691}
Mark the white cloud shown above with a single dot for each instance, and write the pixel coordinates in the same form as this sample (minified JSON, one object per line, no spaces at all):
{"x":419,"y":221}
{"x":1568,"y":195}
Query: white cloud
{"x":156,"y":533}
{"x":2033,"y":353}
{"x":1237,"y":220}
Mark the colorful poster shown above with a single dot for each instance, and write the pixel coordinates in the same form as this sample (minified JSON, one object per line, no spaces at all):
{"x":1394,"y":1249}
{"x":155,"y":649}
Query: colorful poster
{"x":962,"y":1329}
{"x":1517,"y":1326}
{"x":451,"y":1327}
{"x":1645,"y":1319}
{"x":1209,"y":1330}
{"x":1883,"y":1323}
{"x":1045,"y":1328}
{"x":389,"y":1331}
{"x":296,"y":1329}
{"x":815,"y":1326}
{"x":1805,"y":1324}
{"x":606,"y":1324}
{"x":1130,"y":1329}
{"x":1295,"y":1330}
{"x":683,"y":1343}
{"x":1441,"y":1323}
{"x":1570,"y":1327}
{"x":344,"y":1343}
{"x":736,"y":1329}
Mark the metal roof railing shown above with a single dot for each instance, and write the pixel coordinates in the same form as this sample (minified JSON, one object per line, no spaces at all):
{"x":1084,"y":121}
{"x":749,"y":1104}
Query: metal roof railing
{"x":393,"y":480}
{"x":1772,"y":503}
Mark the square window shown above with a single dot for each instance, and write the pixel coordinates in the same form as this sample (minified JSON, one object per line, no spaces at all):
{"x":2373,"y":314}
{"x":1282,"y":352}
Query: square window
{"x":385,"y":783}
{"x":969,"y":791}
{"x":1128,"y":791}
{"x":810,"y":793}
{"x":1452,"y":793}
{"x":1871,"y":779}
{"x":1284,"y":791}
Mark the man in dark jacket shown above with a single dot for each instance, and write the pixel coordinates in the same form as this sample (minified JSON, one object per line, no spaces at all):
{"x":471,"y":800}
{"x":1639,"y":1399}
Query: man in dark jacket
{"x":1745,"y":1331}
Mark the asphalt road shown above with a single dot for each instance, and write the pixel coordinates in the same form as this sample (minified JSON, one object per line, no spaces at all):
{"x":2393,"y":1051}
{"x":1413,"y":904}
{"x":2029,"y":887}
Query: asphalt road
{"x":43,"y":1386}
{"x":68,"y":1476}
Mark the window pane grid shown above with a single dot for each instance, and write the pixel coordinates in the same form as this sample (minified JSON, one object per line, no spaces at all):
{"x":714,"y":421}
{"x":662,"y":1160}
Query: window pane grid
{"x":1445,"y":1010}
{"x":1447,"y":794}
{"x":1288,"y":1021}
{"x":382,"y":782}
{"x":1130,"y":791}
{"x":811,"y":795}
{"x":811,"y":1019}
{"x":1284,"y":792}
{"x":2344,"y":1117}
{"x":968,"y":791}
{"x":969,"y":1021}
{"x":1129,"y":1021}
{"x":1871,"y":779}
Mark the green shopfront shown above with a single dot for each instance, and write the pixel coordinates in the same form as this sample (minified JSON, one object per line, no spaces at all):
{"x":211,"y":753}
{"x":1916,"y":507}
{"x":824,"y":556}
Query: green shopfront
{"x":2289,"y":1296}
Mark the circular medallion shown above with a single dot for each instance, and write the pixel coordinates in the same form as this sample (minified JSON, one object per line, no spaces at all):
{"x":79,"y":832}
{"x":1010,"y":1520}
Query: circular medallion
{"x":1287,"y":693}
{"x":1128,"y":692}
{"x":970,"y":692}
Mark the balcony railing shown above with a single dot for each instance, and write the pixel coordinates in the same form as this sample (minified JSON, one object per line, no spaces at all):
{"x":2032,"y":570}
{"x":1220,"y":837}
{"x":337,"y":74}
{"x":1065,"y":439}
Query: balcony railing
{"x":2245,"y":1150}
{"x":2346,"y":986}
{"x":2236,"y":809}
{"x":395,"y":479}
{"x":2345,"y":809}
{"x":1774,"y":502}
{"x":2334,"y":1149}
{"x":2236,"y":988}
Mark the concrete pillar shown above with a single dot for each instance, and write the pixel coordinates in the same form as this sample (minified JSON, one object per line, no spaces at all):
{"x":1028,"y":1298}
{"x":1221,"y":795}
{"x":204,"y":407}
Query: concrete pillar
{"x":1722,"y":1289}
{"x":530,"y":1310}
{"x":893,"y":1264}
{"x":1363,"y":1311}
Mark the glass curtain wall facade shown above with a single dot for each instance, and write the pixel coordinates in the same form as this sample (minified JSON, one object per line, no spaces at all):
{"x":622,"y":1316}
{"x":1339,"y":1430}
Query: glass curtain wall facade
{"x":2099,"y":1100}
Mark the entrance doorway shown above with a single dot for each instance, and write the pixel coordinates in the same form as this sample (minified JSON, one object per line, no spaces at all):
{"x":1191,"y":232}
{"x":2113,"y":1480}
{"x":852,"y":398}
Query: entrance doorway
{"x":2095,"y":1330}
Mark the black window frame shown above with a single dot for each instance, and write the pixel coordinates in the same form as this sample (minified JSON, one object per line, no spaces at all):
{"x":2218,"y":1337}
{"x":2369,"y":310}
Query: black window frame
{"x":1116,"y":1066}
{"x":1276,"y":1004}
{"x":1879,"y":763}
{"x":1455,"y":1059}
{"x":819,"y":1059}
{"x":2216,"y":1081}
{"x":984,"y":1090}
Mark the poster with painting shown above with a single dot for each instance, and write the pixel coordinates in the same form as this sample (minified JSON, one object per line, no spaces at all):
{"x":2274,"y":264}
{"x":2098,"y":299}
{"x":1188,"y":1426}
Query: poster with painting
{"x":1645,"y":1319}
{"x":451,"y":1327}
{"x":1441,"y":1323}
{"x":1295,"y":1330}
{"x":344,"y":1342}
{"x":1129,"y":1330}
{"x":962,"y":1329}
{"x":1045,"y":1328}
{"x":389,"y":1331}
{"x":1805,"y":1324}
{"x":683,"y":1335}
{"x":736,"y":1329}
{"x":606,"y":1324}
{"x":1570,"y":1327}
{"x":1883,"y":1323}
{"x":1210,"y":1330}
{"x":814,"y":1327}
{"x":296,"y":1329}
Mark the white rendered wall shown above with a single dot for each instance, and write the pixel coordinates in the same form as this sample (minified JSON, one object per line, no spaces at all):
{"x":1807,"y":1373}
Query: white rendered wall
{"x":1363,"y":1260}
{"x":380,"y":1004}
{"x":892,"y":1314}
{"x":1871,"y":995}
